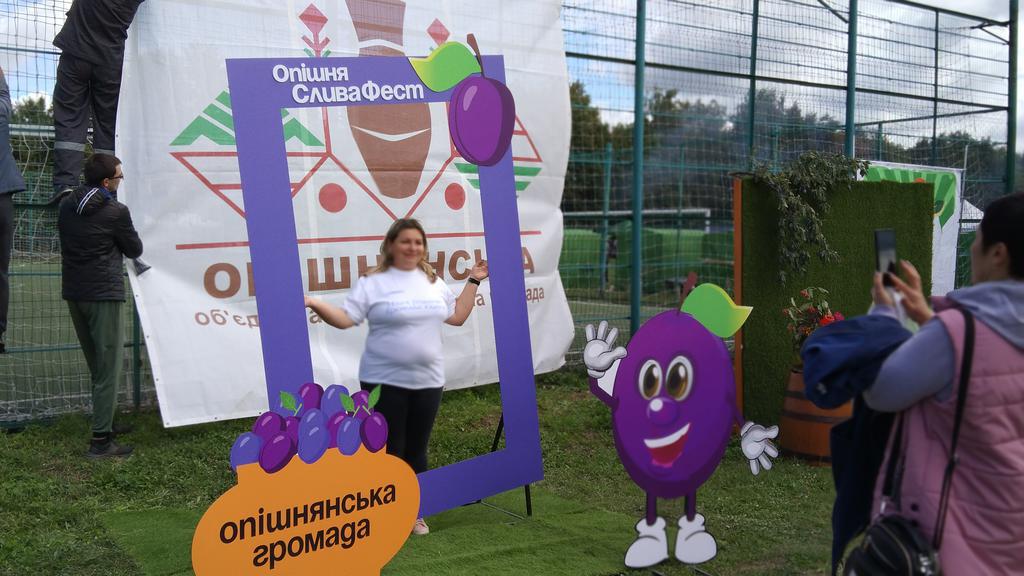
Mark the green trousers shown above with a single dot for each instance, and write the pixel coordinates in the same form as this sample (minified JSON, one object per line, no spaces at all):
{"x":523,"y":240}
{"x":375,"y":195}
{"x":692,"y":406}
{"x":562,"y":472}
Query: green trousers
{"x":100,"y":330}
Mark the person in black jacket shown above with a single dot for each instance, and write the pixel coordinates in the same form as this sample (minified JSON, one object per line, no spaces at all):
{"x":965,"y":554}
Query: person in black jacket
{"x":88,"y":80}
{"x":96,"y":233}
{"x":10,"y":182}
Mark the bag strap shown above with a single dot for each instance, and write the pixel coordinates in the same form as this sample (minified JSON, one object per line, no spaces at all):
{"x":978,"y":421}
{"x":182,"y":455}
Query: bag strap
{"x":961,"y":400}
{"x":889,"y":485}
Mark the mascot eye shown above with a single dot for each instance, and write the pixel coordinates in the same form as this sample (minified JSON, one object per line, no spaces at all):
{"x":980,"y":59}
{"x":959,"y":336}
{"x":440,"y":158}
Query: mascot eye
{"x":650,"y":379}
{"x":680,"y":378}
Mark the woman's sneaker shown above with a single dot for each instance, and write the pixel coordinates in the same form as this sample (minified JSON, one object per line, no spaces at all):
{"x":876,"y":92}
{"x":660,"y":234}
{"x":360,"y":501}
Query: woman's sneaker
{"x":420,"y":527}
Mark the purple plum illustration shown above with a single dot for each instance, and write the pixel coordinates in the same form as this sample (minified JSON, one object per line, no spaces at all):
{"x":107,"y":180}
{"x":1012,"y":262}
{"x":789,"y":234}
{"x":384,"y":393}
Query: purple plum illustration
{"x":313,"y":436}
{"x":331,"y":404}
{"x":310,"y":394}
{"x":672,"y":395}
{"x":245,"y":450}
{"x":361,"y":398}
{"x":374,"y":432}
{"x":481,"y":117}
{"x":268,"y":425}
{"x":348,"y":440}
{"x":277,"y":452}
{"x":291,"y":428}
{"x":333,"y":423}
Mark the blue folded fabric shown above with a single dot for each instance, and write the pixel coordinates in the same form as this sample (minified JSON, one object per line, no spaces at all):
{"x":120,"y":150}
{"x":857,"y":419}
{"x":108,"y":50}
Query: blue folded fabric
{"x":842,"y":360}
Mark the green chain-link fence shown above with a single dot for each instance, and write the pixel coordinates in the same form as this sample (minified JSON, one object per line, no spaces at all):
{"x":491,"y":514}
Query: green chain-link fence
{"x":926,"y":86}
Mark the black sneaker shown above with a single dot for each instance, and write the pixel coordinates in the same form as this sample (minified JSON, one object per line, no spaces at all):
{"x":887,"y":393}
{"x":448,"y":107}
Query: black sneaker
{"x":108,"y":449}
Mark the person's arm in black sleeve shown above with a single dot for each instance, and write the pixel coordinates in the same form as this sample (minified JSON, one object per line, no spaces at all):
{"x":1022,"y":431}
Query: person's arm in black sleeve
{"x":6,"y":108}
{"x":125,"y":236}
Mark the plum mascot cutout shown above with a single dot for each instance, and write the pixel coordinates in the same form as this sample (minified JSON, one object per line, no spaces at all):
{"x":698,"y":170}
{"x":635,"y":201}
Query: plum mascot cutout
{"x":672,"y":395}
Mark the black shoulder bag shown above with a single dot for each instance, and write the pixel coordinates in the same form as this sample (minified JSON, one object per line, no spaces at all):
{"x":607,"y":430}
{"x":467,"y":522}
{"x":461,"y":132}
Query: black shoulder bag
{"x":892,"y":545}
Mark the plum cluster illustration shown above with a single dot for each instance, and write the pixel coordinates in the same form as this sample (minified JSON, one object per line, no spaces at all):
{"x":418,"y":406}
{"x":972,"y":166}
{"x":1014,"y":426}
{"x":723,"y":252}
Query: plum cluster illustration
{"x":672,"y":395}
{"x":321,"y":420}
{"x":481,"y":111}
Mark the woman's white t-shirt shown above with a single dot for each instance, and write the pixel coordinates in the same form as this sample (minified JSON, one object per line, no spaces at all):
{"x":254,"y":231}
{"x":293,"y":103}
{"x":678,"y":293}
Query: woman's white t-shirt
{"x":406,"y":313}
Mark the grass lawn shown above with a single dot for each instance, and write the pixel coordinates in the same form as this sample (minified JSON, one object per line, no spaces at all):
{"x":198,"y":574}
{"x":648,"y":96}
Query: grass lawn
{"x":62,"y":514}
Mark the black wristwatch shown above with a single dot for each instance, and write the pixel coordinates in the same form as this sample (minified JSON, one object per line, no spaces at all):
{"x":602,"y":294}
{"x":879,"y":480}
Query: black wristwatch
{"x":474,"y":281}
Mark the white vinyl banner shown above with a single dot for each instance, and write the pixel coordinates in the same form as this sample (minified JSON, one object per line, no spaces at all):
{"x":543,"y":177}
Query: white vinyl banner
{"x":352,"y":175}
{"x":948,"y":184}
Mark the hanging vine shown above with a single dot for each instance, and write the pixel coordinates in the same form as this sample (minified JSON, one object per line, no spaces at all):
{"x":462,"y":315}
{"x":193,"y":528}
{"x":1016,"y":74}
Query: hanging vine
{"x":801,"y":193}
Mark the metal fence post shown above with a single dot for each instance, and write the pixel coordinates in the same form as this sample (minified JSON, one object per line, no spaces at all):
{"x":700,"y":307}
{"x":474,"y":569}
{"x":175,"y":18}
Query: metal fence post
{"x":1011,"y":112}
{"x":752,"y":95}
{"x":935,"y":97}
{"x":679,"y":212}
{"x":605,"y":205}
{"x":636,"y":280}
{"x":850,"y":147}
{"x":879,"y":147}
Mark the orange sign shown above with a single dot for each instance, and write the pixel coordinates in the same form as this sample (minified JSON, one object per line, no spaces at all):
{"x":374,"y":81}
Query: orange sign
{"x":350,"y":513}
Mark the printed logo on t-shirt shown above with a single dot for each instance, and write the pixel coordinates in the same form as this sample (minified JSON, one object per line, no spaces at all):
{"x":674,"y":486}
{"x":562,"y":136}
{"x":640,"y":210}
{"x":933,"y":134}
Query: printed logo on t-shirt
{"x":397,"y":307}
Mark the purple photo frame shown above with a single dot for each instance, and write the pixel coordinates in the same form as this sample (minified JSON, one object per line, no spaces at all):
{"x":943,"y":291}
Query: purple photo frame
{"x":257,"y":99}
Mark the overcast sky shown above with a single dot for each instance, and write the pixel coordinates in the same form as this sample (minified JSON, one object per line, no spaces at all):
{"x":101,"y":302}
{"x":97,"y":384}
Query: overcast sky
{"x":41,"y":18}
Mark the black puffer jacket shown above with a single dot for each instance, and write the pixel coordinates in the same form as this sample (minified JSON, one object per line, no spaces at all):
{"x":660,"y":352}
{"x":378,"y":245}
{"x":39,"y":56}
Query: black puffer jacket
{"x":96,"y":232}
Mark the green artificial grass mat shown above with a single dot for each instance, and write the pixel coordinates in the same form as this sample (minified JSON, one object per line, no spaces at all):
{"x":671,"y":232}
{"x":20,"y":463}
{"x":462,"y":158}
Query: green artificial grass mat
{"x":64,"y":514}
{"x":160,"y":540}
{"x":562,"y":537}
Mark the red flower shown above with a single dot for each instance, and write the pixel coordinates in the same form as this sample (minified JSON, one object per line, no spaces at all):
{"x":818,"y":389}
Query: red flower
{"x":839,"y":316}
{"x":827,"y":319}
{"x":805,"y":294}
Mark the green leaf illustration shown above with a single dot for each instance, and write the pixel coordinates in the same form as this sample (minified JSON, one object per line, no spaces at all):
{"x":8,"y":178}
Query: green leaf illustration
{"x":374,"y":396}
{"x":944,"y":182}
{"x":288,"y":402}
{"x":945,"y":198}
{"x":715,"y":310}
{"x":446,"y":66}
{"x":347,"y":403}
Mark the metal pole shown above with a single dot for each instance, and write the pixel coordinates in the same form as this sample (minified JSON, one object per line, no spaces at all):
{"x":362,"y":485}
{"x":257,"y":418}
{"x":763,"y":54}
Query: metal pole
{"x":879,"y":148}
{"x":850,"y":148}
{"x":605,"y":205}
{"x":935,"y":102}
{"x":636,"y":283}
{"x":775,"y":147}
{"x":752,"y":94}
{"x":679,"y":214}
{"x":1011,"y":113}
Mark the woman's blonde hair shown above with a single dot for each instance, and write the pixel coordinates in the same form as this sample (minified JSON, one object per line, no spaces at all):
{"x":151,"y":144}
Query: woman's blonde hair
{"x":386,"y":260}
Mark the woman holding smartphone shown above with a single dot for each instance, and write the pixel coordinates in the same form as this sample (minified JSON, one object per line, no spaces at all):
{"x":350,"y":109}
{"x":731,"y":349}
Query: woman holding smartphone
{"x":983,"y":527}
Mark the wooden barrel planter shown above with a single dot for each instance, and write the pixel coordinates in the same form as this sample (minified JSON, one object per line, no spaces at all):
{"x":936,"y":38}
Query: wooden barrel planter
{"x":804,"y":428}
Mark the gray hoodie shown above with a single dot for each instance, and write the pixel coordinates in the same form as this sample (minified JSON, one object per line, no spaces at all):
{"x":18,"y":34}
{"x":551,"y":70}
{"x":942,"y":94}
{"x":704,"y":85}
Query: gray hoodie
{"x":924,"y":365}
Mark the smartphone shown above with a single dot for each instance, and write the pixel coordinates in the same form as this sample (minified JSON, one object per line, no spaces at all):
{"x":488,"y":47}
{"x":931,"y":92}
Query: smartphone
{"x":885,"y":253}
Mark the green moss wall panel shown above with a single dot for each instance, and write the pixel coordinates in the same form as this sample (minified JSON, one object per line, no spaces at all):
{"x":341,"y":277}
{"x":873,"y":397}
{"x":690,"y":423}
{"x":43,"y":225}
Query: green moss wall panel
{"x":907,"y":208}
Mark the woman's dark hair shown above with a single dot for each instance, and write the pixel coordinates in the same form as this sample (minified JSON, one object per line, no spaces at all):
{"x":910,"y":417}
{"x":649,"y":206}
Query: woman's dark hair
{"x":1004,"y":222}
{"x":100,"y":167}
{"x":386,"y":260}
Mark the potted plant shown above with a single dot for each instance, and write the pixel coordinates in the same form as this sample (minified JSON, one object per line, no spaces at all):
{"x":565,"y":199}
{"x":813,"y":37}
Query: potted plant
{"x":805,"y":317}
{"x":805,"y":427}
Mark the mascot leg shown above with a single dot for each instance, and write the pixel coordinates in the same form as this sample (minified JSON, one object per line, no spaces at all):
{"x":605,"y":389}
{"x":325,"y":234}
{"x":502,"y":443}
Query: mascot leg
{"x":693,"y":544}
{"x":651,"y":545}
